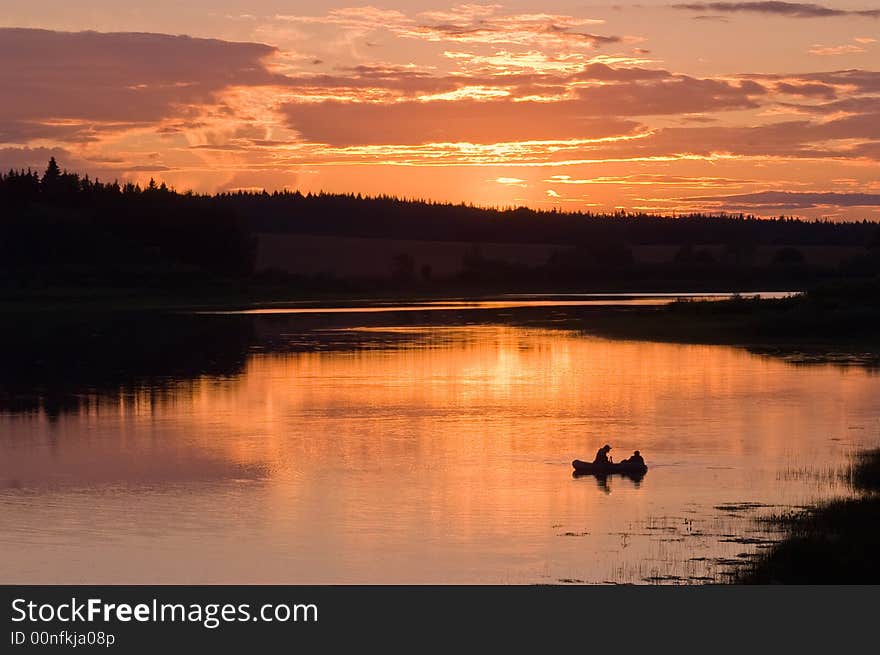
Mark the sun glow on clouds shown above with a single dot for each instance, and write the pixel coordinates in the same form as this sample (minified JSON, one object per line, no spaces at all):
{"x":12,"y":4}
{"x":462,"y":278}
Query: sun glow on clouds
{"x":504,"y":62}
{"x":858,"y":46}
{"x":334,"y":94}
{"x":472,"y":92}
{"x":510,"y":181}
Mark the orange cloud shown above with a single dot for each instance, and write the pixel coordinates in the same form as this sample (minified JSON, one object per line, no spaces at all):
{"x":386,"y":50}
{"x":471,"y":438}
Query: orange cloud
{"x":506,"y":93}
{"x":71,"y":85}
{"x":831,"y":51}
{"x":467,"y":23}
{"x":593,"y":112}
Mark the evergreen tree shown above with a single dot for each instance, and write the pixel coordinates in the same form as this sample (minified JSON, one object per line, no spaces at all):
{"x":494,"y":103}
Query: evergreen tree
{"x":51,"y":177}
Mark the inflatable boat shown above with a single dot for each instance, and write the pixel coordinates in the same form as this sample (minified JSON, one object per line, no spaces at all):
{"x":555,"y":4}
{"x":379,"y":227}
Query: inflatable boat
{"x":606,"y":469}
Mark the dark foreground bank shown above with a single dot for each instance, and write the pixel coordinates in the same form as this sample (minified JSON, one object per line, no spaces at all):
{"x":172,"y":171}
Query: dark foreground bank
{"x":836,"y":543}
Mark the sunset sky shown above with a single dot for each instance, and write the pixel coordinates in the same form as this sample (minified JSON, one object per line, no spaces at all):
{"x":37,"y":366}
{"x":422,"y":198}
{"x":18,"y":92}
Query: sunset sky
{"x":763,"y":107}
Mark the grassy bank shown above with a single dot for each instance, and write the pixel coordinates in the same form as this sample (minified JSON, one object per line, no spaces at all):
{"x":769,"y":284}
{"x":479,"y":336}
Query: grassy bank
{"x":835,"y":543}
{"x":830,"y":324}
{"x":842,"y":311}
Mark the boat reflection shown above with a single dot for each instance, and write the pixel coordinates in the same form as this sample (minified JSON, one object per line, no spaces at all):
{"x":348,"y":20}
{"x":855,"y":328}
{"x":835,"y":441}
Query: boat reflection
{"x":602,"y":479}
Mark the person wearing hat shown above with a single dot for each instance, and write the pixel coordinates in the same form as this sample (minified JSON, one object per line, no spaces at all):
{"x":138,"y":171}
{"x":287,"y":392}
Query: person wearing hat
{"x":602,"y":455}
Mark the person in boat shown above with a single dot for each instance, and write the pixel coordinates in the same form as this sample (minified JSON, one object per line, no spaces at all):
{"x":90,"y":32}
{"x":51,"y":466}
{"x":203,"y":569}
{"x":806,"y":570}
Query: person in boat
{"x":635,"y":459}
{"x":602,"y":455}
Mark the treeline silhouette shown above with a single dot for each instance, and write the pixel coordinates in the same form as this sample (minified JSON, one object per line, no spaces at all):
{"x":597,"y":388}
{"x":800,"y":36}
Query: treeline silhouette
{"x":62,"y":228}
{"x":388,"y":216}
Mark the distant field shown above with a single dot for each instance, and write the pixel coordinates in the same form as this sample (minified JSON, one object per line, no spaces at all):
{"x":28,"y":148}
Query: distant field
{"x":356,"y":257}
{"x":763,"y":255}
{"x":362,"y":257}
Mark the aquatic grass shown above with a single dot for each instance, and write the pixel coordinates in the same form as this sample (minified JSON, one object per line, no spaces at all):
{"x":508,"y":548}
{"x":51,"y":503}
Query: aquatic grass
{"x":834,"y":543}
{"x":866,"y":472}
{"x":684,"y":551}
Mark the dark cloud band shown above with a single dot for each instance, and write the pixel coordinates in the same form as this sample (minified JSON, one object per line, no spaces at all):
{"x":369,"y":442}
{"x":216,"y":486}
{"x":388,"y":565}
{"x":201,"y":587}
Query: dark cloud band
{"x":790,"y":9}
{"x":792,"y":200}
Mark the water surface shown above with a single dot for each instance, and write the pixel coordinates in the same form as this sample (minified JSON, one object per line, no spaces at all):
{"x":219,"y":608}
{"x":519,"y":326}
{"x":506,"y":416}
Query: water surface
{"x":412,"y":447}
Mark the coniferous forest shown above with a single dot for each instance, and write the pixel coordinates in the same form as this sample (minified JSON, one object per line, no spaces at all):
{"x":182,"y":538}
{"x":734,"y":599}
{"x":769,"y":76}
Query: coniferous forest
{"x":64,"y":229}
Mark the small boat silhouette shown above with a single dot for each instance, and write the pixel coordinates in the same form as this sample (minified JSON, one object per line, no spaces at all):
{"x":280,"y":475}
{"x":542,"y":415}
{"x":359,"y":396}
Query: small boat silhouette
{"x":622,"y":468}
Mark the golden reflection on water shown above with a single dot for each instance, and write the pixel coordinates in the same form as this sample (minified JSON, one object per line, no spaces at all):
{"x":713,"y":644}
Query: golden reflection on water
{"x":510,"y":301}
{"x":442,"y":455}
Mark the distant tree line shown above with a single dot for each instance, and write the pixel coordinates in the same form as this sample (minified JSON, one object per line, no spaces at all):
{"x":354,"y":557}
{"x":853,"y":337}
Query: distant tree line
{"x":387,"y":216}
{"x":63,"y":228}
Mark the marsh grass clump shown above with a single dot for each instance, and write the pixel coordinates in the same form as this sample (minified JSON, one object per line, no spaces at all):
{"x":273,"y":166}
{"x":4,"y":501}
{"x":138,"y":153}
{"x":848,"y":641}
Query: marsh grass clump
{"x":866,"y":472}
{"x":847,"y":309}
{"x":835,"y":543}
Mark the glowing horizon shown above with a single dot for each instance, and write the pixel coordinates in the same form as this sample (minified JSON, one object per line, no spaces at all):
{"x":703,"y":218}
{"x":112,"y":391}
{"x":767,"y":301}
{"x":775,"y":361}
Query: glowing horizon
{"x":763,"y":108}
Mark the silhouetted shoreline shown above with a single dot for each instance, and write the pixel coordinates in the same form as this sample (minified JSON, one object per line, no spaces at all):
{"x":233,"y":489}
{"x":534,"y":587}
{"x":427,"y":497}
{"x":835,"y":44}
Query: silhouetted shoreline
{"x":823,"y":321}
{"x":840,"y":315}
{"x":68,"y":237}
{"x":834,"y":543}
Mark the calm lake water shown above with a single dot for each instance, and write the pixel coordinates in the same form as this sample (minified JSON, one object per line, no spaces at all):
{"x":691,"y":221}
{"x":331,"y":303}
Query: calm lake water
{"x":405,"y":447}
